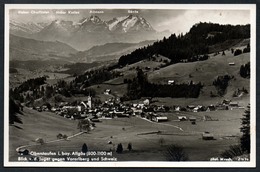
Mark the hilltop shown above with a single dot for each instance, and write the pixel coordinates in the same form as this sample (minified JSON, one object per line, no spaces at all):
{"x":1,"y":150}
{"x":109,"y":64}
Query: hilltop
{"x":24,"y":49}
{"x":193,"y":46}
{"x":108,"y":51}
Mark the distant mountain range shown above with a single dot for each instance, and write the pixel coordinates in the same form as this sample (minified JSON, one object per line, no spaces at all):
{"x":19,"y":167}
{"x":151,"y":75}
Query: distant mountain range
{"x":26,"y":49}
{"x":25,"y":29}
{"x":91,"y":31}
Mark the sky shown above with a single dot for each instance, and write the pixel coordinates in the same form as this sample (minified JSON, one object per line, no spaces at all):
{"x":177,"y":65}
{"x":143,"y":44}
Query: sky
{"x":174,"y":20}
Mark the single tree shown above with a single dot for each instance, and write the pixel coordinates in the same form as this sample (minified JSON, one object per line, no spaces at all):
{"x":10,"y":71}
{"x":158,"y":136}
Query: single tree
{"x":129,"y":146}
{"x":84,"y":148}
{"x":119,"y":148}
{"x":84,"y":125}
{"x":176,"y":153}
{"x":161,"y":141}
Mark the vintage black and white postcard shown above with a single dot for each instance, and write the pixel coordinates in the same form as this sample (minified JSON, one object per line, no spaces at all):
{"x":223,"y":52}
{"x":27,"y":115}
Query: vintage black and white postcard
{"x":130,"y":85}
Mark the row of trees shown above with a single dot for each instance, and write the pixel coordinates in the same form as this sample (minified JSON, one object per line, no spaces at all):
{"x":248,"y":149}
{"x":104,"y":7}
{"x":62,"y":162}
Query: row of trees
{"x":14,"y":111}
{"x":140,"y":87}
{"x":119,"y":148}
{"x":33,"y":86}
{"x":36,"y":88}
{"x":95,"y":77}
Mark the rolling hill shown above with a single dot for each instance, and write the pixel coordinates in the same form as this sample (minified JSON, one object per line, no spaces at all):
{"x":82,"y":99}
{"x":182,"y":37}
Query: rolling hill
{"x":200,"y":71}
{"x":109,"y":51}
{"x":24,"y":49}
{"x":205,"y":72}
{"x":191,"y":46}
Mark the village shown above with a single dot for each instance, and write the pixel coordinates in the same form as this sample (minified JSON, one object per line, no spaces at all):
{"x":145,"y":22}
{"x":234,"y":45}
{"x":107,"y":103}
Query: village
{"x":114,"y":108}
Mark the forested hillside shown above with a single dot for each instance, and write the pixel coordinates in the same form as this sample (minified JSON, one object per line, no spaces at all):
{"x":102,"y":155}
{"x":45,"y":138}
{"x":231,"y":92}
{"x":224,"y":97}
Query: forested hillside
{"x":191,"y":46}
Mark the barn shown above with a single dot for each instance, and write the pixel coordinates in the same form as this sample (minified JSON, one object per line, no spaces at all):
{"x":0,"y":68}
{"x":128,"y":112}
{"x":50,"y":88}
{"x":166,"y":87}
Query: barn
{"x":207,"y":136}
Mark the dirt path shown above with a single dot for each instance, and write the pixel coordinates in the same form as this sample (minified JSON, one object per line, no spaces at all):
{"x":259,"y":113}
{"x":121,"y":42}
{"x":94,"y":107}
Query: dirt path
{"x":52,"y":141}
{"x":162,"y":124}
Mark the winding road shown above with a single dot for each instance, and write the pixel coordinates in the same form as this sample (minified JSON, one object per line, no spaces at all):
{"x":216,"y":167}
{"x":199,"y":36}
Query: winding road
{"x":52,"y":141}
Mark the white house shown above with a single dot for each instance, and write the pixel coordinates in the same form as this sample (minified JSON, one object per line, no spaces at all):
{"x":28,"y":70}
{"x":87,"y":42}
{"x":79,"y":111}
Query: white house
{"x":170,"y":82}
{"x":182,"y":118}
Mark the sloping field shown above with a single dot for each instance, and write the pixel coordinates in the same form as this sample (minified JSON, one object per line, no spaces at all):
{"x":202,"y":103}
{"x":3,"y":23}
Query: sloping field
{"x":205,"y":72}
{"x":35,"y":125}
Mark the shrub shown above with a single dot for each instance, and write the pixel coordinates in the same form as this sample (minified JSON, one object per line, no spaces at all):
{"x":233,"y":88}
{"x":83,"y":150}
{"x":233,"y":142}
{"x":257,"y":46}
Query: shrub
{"x":232,"y":152}
{"x":237,"y":52}
{"x":65,"y":137}
{"x":161,"y":141}
{"x":59,"y":136}
{"x":176,"y":153}
{"x":40,"y":140}
{"x":246,"y":50}
{"x":129,"y":147}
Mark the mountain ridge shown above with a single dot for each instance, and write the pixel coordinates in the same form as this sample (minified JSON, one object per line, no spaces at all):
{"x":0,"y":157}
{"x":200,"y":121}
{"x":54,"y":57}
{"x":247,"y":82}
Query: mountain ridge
{"x":91,"y":31}
{"x":30,"y":49}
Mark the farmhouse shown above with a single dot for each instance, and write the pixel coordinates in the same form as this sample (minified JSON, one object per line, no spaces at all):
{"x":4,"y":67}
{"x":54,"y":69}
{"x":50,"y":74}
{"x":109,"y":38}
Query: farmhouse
{"x":182,"y":118}
{"x":177,"y":108}
{"x":136,"y":111}
{"x":190,"y":107}
{"x":222,"y":107}
{"x":233,"y":104}
{"x":23,"y":151}
{"x":226,"y":102}
{"x":107,"y":92}
{"x":198,"y":108}
{"x":146,"y":102}
{"x":155,"y":117}
{"x":171,"y":82}
{"x":192,"y":118}
{"x":207,"y":136}
{"x":211,"y":108}
{"x":160,"y":118}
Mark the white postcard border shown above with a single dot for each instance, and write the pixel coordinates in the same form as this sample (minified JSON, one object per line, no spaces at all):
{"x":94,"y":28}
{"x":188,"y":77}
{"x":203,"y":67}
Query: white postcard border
{"x":251,"y":163}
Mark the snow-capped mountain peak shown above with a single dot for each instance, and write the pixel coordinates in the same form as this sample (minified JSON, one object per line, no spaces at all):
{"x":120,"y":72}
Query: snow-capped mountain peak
{"x":91,"y":19}
{"x":95,"y":19}
{"x":129,"y":23}
{"x":26,"y":28}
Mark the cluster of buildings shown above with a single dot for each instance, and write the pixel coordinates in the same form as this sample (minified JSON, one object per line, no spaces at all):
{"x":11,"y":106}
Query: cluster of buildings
{"x":114,"y":108}
{"x":224,"y":105}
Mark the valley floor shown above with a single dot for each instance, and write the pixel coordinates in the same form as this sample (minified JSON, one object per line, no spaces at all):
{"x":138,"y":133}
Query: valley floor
{"x":142,"y":134}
